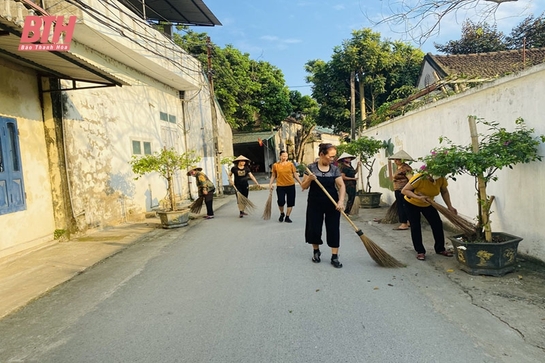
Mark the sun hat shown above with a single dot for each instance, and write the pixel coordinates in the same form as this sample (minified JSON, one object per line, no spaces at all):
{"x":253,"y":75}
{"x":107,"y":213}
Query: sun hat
{"x":346,"y":156}
{"x":191,"y":168}
{"x":401,"y":155}
{"x":241,"y":158}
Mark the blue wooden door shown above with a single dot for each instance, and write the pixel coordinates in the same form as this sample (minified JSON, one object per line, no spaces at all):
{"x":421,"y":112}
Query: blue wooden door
{"x":12,"y":190}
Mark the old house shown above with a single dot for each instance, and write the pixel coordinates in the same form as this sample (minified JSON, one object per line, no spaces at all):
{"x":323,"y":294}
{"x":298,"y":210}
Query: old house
{"x":72,"y":120}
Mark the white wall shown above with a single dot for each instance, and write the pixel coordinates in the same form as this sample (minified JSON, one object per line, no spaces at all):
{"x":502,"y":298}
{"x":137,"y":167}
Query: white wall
{"x":101,"y":124}
{"x":19,"y":100}
{"x":519,"y":203}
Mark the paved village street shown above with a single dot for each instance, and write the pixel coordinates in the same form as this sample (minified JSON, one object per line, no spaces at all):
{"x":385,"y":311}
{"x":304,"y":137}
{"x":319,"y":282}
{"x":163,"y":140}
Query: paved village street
{"x":245,"y":290}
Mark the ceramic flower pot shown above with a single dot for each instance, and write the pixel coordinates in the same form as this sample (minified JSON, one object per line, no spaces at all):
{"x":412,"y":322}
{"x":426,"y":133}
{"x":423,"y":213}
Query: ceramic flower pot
{"x":369,"y":200}
{"x":174,"y":219}
{"x":487,"y":258}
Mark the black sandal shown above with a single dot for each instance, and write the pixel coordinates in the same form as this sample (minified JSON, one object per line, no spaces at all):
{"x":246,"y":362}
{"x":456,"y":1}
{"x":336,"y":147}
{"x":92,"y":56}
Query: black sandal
{"x":335,"y":262}
{"x":316,"y":256}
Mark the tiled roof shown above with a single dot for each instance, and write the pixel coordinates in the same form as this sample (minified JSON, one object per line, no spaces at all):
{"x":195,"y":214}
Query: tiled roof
{"x":493,"y":64}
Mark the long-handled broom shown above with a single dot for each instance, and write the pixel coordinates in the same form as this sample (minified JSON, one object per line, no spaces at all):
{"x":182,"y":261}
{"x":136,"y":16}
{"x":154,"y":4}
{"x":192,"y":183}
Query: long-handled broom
{"x":381,"y":257}
{"x":243,"y":201}
{"x":461,"y":223}
{"x":268,"y":207}
{"x":196,"y":206}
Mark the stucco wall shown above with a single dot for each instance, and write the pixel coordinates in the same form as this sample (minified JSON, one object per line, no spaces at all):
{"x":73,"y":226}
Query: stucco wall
{"x":519,"y":193}
{"x":101,"y":125}
{"x":19,"y":100}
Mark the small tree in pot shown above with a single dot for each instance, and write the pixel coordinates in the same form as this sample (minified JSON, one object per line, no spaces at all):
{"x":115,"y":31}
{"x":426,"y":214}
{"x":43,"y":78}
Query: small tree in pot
{"x":496,"y":150}
{"x":166,"y":163}
{"x":365,"y":148}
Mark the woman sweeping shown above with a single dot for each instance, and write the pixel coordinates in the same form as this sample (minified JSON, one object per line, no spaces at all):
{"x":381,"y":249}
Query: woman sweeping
{"x":206,"y":189}
{"x":241,"y":172}
{"x":401,"y":178}
{"x":320,"y":208}
{"x":284,"y":172}
{"x":348,"y":174}
{"x":418,"y":190}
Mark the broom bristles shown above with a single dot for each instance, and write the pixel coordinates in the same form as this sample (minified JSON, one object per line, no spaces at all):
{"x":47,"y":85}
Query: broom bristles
{"x":461,"y":223}
{"x":391,"y":214}
{"x":381,"y":257}
{"x":268,"y":208}
{"x":245,"y":202}
{"x":196,"y":206}
{"x":356,"y":206}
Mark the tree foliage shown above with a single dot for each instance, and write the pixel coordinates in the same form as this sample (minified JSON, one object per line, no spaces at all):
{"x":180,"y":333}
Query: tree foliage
{"x":529,"y":33}
{"x":483,"y":37}
{"x":365,"y":148}
{"x":476,"y":38}
{"x":305,"y":111}
{"x":166,"y":163}
{"x":381,"y":67}
{"x":252,"y":94}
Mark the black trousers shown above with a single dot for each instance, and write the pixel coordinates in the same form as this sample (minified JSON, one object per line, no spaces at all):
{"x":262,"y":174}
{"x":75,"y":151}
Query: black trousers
{"x":283,"y":193}
{"x":243,"y":188}
{"x":208,"y":200}
{"x":401,"y":208}
{"x":433,"y":218}
{"x":317,"y":213}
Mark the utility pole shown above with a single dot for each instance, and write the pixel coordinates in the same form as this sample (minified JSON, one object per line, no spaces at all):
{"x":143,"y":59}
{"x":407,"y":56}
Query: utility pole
{"x":217,"y":152}
{"x":352,"y":106}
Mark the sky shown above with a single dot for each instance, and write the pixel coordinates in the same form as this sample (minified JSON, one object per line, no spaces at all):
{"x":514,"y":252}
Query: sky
{"x":289,"y":33}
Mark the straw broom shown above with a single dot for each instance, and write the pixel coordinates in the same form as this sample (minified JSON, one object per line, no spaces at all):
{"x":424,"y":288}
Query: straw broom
{"x":461,"y":223}
{"x":268,"y":207}
{"x":381,"y":257}
{"x":243,"y":201}
{"x":356,"y":206}
{"x":196,"y":206}
{"x":391,"y":214}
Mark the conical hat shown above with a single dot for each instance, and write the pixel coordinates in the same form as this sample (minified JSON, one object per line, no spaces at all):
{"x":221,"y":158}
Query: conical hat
{"x":196,"y":168}
{"x":345,"y":156}
{"x":401,"y":155}
{"x":241,"y":158}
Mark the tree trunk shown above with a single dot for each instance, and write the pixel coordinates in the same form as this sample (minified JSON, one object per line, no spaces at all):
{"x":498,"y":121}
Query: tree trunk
{"x":362,"y":100}
{"x":352,"y":106}
{"x":484,"y":203}
{"x":300,"y":147}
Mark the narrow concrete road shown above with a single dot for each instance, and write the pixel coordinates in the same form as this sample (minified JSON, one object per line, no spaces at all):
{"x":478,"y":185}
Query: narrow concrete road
{"x":245,"y":290}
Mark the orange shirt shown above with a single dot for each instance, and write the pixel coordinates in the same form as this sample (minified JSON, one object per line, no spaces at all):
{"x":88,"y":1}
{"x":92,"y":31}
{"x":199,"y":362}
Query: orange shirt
{"x":284,"y":173}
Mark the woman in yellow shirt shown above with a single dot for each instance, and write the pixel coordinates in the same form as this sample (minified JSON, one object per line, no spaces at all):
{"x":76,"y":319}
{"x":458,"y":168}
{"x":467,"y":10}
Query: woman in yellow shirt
{"x":284,"y":172}
{"x":420,"y":188}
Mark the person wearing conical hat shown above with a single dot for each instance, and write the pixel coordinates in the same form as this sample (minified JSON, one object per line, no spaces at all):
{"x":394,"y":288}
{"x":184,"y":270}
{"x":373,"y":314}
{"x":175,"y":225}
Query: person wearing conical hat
{"x":400,"y":178}
{"x":206,"y":189}
{"x":348,"y":174}
{"x":241,"y":173}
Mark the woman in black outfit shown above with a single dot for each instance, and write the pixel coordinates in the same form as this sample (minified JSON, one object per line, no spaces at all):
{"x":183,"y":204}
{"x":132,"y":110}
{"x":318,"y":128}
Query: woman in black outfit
{"x":241,"y":172}
{"x":319,"y":206}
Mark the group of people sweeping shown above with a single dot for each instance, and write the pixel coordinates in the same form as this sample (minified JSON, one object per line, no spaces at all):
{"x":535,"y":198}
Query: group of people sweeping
{"x":329,"y":185}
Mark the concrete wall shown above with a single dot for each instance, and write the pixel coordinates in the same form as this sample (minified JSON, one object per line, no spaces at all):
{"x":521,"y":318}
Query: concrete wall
{"x":101,"y":125}
{"x":19,"y":99}
{"x":520,"y":192}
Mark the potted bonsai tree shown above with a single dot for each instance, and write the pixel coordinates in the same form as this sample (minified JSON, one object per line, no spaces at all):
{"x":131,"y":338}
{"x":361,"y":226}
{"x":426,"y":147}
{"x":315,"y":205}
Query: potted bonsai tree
{"x":227,"y":161}
{"x":365,"y":148}
{"x":485,"y":252}
{"x":166,"y":163}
